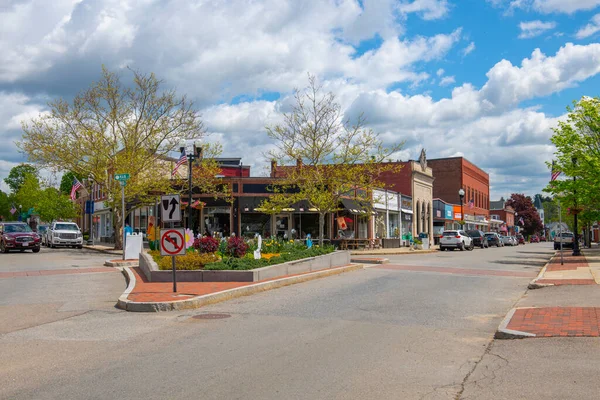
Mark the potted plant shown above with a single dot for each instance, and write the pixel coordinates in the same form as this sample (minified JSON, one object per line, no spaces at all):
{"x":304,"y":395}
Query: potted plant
{"x":418,"y":244}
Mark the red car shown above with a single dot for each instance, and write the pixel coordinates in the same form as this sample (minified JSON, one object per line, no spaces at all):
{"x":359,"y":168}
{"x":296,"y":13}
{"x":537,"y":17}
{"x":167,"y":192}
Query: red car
{"x":18,"y":236}
{"x":534,"y":239}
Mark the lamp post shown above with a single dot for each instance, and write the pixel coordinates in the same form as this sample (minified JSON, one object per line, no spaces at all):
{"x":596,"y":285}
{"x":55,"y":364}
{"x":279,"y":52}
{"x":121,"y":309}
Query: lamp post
{"x":576,"y":251}
{"x":193,"y":152}
{"x":461,"y":194}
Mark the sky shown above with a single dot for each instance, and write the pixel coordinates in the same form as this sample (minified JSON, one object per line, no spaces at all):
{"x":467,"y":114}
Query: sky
{"x":483,"y":79}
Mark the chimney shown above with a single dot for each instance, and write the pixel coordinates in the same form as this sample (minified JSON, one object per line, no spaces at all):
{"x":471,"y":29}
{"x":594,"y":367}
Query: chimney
{"x":273,"y":169}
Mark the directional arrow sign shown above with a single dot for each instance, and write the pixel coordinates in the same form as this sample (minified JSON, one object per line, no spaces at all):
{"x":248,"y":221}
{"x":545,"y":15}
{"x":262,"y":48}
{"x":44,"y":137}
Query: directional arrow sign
{"x":172,"y":242}
{"x":170,"y":207}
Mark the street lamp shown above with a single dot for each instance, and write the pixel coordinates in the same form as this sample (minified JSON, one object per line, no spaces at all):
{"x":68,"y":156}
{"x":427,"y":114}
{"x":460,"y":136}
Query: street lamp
{"x":576,"y":251}
{"x":193,"y":151}
{"x":461,"y":194}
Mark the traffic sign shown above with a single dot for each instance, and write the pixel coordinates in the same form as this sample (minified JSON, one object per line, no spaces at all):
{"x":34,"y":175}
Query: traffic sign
{"x":170,"y":207}
{"x":122,"y":177}
{"x":172,"y":242}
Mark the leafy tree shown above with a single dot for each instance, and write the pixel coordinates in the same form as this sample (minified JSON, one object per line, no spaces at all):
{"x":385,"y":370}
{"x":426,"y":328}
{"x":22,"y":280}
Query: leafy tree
{"x":29,"y":193}
{"x":577,"y":157}
{"x":111,"y":128}
{"x":523,"y":205}
{"x":17,"y":175}
{"x":53,"y":204}
{"x":4,"y":206}
{"x":333,"y":157}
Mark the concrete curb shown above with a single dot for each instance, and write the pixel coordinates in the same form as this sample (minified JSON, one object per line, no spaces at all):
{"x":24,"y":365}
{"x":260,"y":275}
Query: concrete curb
{"x":114,"y":252}
{"x":504,"y":333}
{"x":131,"y":281}
{"x":369,"y":260}
{"x":122,"y":263}
{"x":218,"y":297}
{"x":533,"y":284}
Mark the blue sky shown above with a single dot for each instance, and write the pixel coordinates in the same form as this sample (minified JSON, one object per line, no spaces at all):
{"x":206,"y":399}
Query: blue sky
{"x":486,"y":79}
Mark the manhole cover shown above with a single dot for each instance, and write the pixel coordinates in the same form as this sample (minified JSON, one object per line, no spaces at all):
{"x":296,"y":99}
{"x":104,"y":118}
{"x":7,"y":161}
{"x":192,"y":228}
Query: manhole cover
{"x":211,"y":316}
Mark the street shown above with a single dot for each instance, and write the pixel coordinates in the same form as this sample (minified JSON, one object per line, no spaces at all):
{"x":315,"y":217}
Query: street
{"x":419,"y":327}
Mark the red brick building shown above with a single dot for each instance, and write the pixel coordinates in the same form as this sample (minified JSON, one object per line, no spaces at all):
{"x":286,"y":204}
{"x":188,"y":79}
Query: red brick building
{"x":453,"y":173}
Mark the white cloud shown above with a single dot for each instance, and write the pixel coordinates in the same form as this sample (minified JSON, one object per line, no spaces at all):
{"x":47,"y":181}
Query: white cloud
{"x":589,"y":29}
{"x":429,"y":9}
{"x":532,"y":29}
{"x":546,"y":6}
{"x":447,"y":80}
{"x":469,"y":49}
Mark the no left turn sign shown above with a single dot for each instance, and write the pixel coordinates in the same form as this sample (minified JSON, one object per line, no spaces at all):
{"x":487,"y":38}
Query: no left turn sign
{"x":172,"y":242}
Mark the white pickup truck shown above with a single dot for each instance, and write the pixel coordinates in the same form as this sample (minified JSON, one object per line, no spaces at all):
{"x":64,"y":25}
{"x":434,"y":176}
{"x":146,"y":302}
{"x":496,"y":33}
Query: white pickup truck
{"x":567,"y":239}
{"x":64,"y":234}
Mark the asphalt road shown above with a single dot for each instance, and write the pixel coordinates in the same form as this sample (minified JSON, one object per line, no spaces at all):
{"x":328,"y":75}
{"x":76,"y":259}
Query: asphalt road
{"x":420,"y":327}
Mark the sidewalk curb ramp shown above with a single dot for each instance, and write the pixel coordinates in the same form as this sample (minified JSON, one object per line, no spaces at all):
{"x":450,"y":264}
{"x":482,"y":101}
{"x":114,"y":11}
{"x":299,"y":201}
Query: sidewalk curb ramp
{"x":504,"y":333}
{"x":199,"y":301}
{"x":533,"y":284}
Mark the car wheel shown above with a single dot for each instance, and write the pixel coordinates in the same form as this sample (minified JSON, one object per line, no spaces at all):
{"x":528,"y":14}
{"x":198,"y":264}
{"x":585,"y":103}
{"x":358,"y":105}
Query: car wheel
{"x":36,"y":250}
{"x":80,"y":246}
{"x":471,"y":247}
{"x":3,"y":248}
{"x":462,"y":246}
{"x":22,"y":250}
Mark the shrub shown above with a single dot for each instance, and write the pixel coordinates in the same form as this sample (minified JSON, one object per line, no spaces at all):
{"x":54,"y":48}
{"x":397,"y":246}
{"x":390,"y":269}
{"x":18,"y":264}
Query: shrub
{"x":190,"y":261}
{"x":206,"y":244}
{"x":236,"y":247}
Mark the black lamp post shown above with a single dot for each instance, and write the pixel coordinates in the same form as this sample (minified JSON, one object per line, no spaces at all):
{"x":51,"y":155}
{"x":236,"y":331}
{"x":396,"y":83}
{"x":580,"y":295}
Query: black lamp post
{"x":576,"y":251}
{"x":461,"y":194}
{"x":193,"y":152}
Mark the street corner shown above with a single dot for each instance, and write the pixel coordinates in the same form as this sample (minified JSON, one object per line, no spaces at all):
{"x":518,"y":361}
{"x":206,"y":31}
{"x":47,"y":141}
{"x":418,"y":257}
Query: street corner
{"x":536,"y":322}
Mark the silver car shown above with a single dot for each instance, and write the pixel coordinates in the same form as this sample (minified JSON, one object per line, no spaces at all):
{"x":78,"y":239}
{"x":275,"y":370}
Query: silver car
{"x":456,"y":240}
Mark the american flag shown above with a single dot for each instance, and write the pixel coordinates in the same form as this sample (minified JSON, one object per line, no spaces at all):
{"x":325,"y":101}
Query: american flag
{"x":521,"y":221}
{"x":182,"y":160}
{"x":13,"y":209}
{"x":555,"y":173}
{"x":76,"y":186}
{"x":471,"y":203}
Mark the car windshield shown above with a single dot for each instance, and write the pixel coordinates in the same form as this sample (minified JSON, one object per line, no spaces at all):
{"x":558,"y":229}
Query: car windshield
{"x":473,"y":233}
{"x":66,"y":227}
{"x":450,"y":233}
{"x":490,"y":234}
{"x":42,"y":229}
{"x":17,"y":228}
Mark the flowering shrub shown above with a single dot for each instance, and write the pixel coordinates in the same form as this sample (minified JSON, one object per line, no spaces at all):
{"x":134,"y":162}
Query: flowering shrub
{"x":236,"y":247}
{"x":206,"y":244}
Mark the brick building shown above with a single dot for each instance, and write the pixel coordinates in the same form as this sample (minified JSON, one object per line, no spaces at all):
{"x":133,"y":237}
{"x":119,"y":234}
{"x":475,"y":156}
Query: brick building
{"x":453,"y":173}
{"x":502,"y":218}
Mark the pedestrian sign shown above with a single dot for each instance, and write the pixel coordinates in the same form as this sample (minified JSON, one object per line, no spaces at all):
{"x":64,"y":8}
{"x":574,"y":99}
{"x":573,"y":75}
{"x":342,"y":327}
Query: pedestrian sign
{"x":172,"y":242}
{"x":170,"y":206}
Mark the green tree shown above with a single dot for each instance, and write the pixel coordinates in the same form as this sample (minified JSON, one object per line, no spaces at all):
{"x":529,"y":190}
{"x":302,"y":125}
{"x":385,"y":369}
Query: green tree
{"x":577,"y":157}
{"x":324,"y":156}
{"x":4,"y":206}
{"x":53,"y":204}
{"x":523,"y":206}
{"x":29,"y":193}
{"x":17,"y":175}
{"x":111,"y":128}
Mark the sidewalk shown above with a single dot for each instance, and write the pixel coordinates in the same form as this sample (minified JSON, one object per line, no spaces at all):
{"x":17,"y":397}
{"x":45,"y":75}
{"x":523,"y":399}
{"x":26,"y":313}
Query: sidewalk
{"x":566,"y":302}
{"x":103,"y":249}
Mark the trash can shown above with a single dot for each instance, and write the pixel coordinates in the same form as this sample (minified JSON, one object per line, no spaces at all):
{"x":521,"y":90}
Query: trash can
{"x":424,"y":237}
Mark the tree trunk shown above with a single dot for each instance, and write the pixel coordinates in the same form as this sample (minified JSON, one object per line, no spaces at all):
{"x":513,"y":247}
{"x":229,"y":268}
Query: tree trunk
{"x":321,"y":228}
{"x":117,"y":225}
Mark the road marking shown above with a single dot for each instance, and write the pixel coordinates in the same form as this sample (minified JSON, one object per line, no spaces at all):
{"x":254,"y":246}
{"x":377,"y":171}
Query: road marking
{"x":47,"y":272}
{"x":458,"y":271}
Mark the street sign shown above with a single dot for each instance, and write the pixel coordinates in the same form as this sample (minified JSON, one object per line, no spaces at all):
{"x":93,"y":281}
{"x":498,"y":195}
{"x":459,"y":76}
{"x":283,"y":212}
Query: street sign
{"x":122,"y":177}
{"x":172,"y":242}
{"x":170,"y":207}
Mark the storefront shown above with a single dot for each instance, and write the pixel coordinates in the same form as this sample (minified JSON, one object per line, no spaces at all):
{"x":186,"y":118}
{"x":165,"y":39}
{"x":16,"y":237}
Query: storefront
{"x":406,"y":208}
{"x":442,"y":219}
{"x":103,"y":223}
{"x":387,"y":221}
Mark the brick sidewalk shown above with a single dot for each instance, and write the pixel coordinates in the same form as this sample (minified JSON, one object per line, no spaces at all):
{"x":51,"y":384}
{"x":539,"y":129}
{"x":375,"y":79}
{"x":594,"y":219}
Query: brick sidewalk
{"x":145,"y":291}
{"x":557,"y":321}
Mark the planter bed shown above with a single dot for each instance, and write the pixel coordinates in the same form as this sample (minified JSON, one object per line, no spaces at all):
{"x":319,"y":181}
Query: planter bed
{"x":311,"y":264}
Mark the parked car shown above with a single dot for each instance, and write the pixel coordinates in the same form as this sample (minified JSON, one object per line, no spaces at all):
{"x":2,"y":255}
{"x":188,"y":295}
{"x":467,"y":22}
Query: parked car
{"x":534,"y":239}
{"x":507,"y":240}
{"x":64,"y":234}
{"x":479,"y":238}
{"x":567,"y":239}
{"x":542,"y":238}
{"x":18,"y":236}
{"x":515,"y":240}
{"x":456,"y":240}
{"x":41,"y":230}
{"x":494,"y":239}
{"x":520,"y":238}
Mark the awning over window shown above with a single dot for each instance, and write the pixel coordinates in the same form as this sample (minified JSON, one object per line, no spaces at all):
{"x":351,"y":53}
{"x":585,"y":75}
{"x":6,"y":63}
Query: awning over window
{"x":355,"y":207}
{"x":250,"y":203}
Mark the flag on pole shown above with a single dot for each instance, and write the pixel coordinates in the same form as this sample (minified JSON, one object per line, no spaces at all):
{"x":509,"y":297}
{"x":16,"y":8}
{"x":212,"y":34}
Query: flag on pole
{"x":13,"y":209}
{"x":521,"y":221}
{"x":555,"y":173}
{"x":76,"y":186}
{"x":182,"y":160}
{"x":471,"y":203}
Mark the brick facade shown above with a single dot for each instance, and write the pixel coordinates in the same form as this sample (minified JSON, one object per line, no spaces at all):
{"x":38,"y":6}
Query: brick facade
{"x":454,"y":173}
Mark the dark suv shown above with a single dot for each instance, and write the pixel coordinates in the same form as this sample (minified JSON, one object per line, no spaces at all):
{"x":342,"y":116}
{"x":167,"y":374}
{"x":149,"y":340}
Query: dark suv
{"x":493,"y":239}
{"x":18,"y":236}
{"x":479,"y":238}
